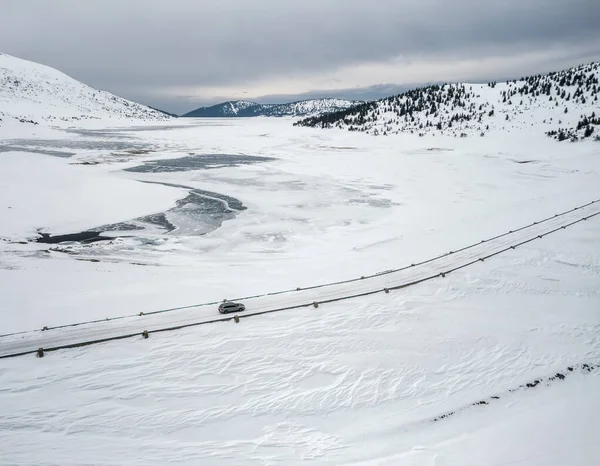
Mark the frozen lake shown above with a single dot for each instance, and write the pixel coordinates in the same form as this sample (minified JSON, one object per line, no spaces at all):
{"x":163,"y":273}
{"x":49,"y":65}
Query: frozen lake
{"x":197,"y":162}
{"x":196,"y":212}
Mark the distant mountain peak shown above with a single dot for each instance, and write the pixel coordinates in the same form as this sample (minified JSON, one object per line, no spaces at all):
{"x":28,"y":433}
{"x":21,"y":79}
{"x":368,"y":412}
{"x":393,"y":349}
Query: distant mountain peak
{"x":245,"y":108}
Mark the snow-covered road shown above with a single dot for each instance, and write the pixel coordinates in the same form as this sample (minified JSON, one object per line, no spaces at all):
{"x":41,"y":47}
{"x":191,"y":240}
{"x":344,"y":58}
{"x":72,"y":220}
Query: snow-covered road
{"x":88,"y":333}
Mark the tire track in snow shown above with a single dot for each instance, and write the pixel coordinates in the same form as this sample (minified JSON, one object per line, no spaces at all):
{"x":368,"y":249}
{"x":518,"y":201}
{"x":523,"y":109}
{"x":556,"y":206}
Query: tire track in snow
{"x":165,"y":320}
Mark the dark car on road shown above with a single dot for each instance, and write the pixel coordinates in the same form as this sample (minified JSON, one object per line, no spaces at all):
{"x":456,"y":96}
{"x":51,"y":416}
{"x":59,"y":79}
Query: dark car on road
{"x":227,"y":307}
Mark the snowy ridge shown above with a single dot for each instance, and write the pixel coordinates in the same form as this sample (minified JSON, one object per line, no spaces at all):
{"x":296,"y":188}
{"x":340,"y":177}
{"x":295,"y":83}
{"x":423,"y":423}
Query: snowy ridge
{"x":35,"y":93}
{"x":312,"y":107}
{"x":541,"y":381}
{"x":243,"y":108}
{"x":562,"y":104}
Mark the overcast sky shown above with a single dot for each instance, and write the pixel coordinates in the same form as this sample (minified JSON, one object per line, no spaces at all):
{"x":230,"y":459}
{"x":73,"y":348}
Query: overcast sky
{"x":181,"y":54}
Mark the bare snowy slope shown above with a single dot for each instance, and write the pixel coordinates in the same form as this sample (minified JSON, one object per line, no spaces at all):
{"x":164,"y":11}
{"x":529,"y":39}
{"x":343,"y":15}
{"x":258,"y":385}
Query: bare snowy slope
{"x":244,"y":108}
{"x":562,"y":104}
{"x":34,"y":93}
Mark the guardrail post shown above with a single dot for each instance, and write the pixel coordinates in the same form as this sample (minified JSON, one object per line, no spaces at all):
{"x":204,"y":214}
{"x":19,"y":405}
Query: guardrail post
{"x":40,"y":353}
{"x":236,"y":318}
{"x":145,"y":334}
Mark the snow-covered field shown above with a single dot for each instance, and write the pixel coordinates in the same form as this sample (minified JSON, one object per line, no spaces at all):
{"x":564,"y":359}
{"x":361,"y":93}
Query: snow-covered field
{"x":355,"y":381}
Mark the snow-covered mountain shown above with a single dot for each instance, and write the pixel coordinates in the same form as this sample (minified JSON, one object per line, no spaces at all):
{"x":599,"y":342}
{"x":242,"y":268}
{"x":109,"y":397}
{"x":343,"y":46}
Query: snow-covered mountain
{"x":244,"y":108}
{"x":35,"y":93}
{"x":225,"y":109}
{"x":562,"y":104}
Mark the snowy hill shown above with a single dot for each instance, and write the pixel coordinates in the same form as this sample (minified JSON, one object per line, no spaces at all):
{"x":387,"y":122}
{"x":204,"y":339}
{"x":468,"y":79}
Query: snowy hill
{"x":35,"y":93}
{"x":243,"y":108}
{"x":562,"y":104}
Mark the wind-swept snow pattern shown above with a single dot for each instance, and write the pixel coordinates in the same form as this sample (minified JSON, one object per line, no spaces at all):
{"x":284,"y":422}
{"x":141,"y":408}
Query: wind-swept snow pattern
{"x":485,"y":351}
{"x":356,"y":382}
{"x":83,"y":334}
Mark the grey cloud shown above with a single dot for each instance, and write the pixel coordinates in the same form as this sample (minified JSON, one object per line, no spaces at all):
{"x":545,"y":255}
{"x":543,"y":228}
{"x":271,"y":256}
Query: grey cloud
{"x":137,"y":47}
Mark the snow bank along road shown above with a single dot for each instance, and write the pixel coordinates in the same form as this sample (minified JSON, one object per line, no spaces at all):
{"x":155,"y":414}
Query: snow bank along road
{"x":170,"y":319}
